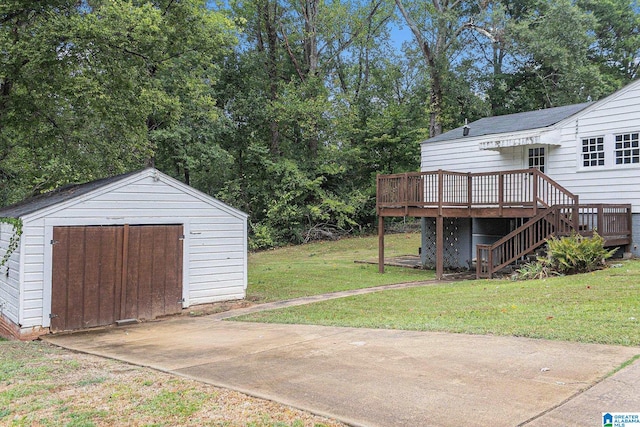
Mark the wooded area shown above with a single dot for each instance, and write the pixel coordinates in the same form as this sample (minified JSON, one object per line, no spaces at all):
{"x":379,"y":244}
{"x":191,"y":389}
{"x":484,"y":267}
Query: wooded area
{"x":285,"y":109}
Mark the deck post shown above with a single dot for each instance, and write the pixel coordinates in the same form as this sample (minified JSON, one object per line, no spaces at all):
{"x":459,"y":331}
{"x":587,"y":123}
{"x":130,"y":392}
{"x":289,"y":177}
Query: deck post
{"x":423,"y":242}
{"x":469,"y":191}
{"x":629,"y":228}
{"x":440,"y":190}
{"x":500,"y":193}
{"x":575,"y":218}
{"x":407,"y":193}
{"x":380,"y":244}
{"x":535,"y":192}
{"x":600,"y":215}
{"x":439,"y":247}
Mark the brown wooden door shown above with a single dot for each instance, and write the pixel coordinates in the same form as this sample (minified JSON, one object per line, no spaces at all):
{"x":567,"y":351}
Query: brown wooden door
{"x":153,"y":284}
{"x":102,"y":274}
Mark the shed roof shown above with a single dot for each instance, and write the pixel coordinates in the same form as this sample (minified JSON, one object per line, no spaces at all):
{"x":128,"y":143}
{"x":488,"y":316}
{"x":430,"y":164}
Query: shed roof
{"x":59,"y":195}
{"x":511,"y":123}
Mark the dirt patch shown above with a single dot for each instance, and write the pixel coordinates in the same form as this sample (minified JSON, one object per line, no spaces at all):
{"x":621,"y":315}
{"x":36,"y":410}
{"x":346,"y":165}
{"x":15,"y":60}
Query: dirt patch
{"x":42,"y":385}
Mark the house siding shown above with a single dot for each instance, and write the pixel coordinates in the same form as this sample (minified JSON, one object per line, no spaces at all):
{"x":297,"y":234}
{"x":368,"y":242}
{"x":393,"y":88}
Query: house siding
{"x":468,"y":157}
{"x":215,"y":242}
{"x":9,"y":276}
{"x":603,"y":184}
{"x":608,"y":184}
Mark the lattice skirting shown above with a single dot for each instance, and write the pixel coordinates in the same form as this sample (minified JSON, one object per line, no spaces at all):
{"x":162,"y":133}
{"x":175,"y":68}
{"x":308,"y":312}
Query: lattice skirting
{"x":457,"y":243}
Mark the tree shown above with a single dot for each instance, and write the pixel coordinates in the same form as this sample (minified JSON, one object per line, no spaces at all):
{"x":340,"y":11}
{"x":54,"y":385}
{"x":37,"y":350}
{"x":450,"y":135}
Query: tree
{"x":547,"y":44}
{"x":441,"y":29}
{"x":616,"y":49}
{"x":102,"y":83}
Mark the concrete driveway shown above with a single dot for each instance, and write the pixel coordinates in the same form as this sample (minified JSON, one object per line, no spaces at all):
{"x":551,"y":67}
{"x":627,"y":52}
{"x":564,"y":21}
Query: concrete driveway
{"x":384,"y":377}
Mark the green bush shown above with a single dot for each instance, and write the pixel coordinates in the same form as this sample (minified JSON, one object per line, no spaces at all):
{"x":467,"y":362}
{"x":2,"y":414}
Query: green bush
{"x":261,"y":236}
{"x":567,"y":255}
{"x":577,"y":254}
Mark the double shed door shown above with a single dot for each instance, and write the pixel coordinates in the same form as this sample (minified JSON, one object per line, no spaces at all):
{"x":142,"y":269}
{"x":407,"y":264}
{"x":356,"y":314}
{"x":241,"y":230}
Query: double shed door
{"x":102,"y":274}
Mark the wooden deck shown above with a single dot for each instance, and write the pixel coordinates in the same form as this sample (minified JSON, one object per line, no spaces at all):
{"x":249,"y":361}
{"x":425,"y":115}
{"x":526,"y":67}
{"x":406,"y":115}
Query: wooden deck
{"x":528,"y":194}
{"x":510,"y":194}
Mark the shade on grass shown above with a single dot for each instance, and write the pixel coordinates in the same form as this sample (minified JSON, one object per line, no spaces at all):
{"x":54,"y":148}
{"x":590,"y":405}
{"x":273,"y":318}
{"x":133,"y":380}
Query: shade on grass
{"x":597,"y":307}
{"x":322,"y":267}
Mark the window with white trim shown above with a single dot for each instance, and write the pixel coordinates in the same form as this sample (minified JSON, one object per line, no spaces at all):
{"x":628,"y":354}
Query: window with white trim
{"x":627,"y":149}
{"x":537,"y":158}
{"x":593,"y":151}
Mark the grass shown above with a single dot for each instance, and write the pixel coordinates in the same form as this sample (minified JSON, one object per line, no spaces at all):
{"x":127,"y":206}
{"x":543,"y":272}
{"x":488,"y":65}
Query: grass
{"x":598,"y":307}
{"x":322,"y":267}
{"x":41,"y":385}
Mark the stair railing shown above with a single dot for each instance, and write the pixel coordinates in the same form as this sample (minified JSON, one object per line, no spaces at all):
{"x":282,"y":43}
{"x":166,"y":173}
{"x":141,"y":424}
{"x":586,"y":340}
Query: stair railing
{"x":523,"y":240}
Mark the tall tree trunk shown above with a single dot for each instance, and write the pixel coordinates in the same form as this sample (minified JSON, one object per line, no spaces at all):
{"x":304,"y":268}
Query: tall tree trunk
{"x":268,"y":14}
{"x":310,"y":13}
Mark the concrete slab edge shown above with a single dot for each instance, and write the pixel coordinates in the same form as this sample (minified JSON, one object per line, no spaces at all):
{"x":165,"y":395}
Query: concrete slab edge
{"x":347,"y":421}
{"x":265,"y":396}
{"x":580,"y":392}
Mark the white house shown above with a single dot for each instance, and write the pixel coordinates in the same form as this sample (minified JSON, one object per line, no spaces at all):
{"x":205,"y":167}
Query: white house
{"x":134,"y":246}
{"x":588,"y":152}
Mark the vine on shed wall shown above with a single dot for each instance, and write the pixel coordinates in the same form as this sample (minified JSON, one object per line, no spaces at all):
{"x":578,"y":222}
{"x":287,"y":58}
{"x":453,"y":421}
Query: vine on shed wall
{"x":14,"y":240}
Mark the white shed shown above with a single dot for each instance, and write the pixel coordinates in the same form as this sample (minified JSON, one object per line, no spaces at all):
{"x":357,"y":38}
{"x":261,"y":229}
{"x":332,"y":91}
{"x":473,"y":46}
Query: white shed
{"x":135,"y":246}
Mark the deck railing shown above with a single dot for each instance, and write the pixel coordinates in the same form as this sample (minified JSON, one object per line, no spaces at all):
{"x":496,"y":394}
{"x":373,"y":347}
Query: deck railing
{"x":444,"y":189}
{"x":612,"y":222}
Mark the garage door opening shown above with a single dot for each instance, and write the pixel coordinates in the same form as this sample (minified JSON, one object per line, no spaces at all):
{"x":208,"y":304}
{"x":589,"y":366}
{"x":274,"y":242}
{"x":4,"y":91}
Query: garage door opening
{"x":103,"y":274}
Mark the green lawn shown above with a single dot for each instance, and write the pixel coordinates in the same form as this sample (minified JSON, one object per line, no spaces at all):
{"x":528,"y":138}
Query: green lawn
{"x":598,"y":307}
{"x":317,"y":268}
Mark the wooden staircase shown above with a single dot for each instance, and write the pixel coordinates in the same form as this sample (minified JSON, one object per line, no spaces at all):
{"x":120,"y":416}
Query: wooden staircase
{"x":556,"y":220}
{"x":612,"y":221}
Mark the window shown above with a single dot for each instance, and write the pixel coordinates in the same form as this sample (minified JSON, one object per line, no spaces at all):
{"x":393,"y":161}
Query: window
{"x":627,"y":149}
{"x":536,"y":158}
{"x":593,"y":152}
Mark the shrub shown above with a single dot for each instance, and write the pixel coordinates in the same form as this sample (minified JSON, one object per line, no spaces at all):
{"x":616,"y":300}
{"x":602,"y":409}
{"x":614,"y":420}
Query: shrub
{"x":261,"y":237}
{"x":540,"y":269}
{"x":577,"y":254}
{"x":567,"y":255}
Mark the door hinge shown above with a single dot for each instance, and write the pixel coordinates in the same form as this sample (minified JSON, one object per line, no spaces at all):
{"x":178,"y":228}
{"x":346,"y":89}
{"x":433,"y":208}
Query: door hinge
{"x":181,"y":237}
{"x":181,"y":301}
{"x":51,"y":315}
{"x":53,"y":242}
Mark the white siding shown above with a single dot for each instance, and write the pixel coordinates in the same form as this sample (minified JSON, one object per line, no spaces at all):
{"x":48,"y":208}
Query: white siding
{"x":619,"y":113}
{"x":603,"y":184}
{"x":465,"y":155}
{"x":9,"y":276}
{"x":217,"y":267}
{"x":215,"y":244}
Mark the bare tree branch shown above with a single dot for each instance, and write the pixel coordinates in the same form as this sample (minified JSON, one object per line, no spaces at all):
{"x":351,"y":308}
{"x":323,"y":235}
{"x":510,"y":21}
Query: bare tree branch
{"x":291,"y":54}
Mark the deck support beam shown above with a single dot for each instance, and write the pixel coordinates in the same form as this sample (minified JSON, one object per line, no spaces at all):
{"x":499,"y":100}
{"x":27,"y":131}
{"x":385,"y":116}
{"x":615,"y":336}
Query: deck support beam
{"x":439,"y":247}
{"x":380,"y":244}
